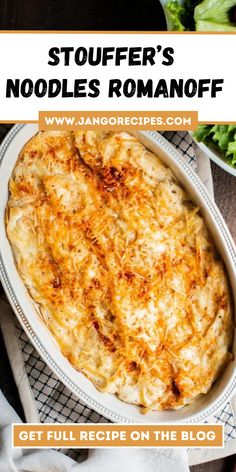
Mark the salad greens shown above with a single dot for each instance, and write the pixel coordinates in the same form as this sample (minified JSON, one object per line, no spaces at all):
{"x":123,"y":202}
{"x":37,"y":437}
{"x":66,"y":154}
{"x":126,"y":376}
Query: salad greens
{"x":220,"y":137}
{"x":206,"y":15}
{"x":174,"y":11}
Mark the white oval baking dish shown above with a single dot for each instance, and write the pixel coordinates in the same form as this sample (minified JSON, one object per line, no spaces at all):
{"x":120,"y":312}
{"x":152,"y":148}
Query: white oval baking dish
{"x":26,"y":311}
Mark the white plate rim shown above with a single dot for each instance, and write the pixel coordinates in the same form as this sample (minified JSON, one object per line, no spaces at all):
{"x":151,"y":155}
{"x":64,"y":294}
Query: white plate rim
{"x":16,"y":305}
{"x":215,"y":157}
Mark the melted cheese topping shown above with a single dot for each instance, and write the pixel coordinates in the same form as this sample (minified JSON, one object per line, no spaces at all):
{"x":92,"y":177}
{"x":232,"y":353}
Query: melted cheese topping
{"x":122,"y":266}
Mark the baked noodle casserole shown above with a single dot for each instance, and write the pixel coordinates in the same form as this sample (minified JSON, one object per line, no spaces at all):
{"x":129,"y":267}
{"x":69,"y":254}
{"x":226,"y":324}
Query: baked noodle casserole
{"x":121,"y":265}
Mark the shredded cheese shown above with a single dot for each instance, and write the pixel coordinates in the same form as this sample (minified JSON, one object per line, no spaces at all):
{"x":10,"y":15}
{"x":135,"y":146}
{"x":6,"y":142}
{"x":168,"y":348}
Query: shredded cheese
{"x":121,"y":265}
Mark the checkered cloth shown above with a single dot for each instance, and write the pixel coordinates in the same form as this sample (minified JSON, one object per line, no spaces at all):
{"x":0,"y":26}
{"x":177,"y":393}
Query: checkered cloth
{"x":54,"y":403}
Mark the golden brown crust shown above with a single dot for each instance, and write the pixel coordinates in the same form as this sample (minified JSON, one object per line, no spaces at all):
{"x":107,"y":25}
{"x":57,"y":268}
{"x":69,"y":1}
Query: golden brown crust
{"x":122,"y":266}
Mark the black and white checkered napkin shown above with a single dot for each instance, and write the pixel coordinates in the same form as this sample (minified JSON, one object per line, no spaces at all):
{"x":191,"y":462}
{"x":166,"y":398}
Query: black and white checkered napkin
{"x":46,"y":399}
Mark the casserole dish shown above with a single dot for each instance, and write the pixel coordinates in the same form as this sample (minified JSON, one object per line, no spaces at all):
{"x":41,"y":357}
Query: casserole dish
{"x":106,"y":404}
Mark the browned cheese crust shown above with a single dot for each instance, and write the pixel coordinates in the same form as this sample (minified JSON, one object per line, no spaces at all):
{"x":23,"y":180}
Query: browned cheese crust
{"x":122,"y":266}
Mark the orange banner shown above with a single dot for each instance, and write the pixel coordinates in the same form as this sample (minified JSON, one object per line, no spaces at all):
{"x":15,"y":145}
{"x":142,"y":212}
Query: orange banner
{"x":118,"y":120}
{"x":116,"y":435}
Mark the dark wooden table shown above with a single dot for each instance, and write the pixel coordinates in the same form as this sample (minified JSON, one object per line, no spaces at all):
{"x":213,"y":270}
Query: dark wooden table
{"x":225,"y":197}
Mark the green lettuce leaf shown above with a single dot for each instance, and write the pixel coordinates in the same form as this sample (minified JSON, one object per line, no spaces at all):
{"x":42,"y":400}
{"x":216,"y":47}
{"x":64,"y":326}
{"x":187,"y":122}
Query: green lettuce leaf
{"x":216,"y":11}
{"x":206,"y":15}
{"x":222,"y":135}
{"x":231,"y":153}
{"x":203,"y":25}
{"x":221,"y":138}
{"x":202,"y":132}
{"x":173,"y":11}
